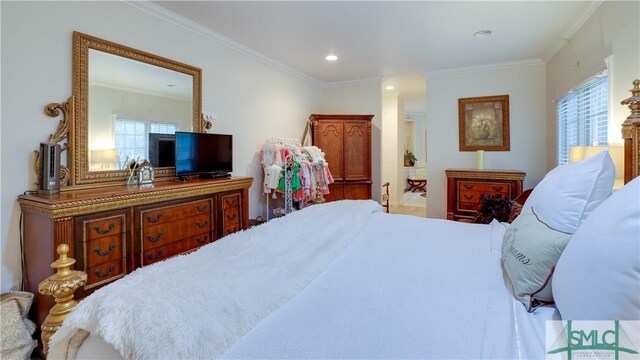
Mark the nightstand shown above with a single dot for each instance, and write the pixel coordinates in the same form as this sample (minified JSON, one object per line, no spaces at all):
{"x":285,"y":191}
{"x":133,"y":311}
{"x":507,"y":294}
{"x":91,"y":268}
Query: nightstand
{"x":465,"y":186}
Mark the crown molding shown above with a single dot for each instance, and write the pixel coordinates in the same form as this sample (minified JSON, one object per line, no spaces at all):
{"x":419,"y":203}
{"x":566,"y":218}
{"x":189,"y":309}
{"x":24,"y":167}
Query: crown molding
{"x":573,"y":25}
{"x":352,"y":82}
{"x":162,"y":13}
{"x":486,"y":67}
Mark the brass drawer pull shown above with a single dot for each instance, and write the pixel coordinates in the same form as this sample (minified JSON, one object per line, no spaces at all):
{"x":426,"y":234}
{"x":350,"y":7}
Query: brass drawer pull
{"x":498,"y":188}
{"x":232,"y":216}
{"x":468,"y":187}
{"x":202,"y":240}
{"x":107,"y":252}
{"x":153,"y":221}
{"x":200,"y":226}
{"x":102,"y":232}
{"x":154,"y":257}
{"x":468,"y":197}
{"x":230,"y":202}
{"x":101,"y":275}
{"x":201,"y":209}
{"x":154,"y":239}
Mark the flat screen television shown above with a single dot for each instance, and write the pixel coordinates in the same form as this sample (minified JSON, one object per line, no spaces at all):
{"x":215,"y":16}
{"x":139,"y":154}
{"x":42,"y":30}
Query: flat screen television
{"x":162,"y":150}
{"x":207,"y":155}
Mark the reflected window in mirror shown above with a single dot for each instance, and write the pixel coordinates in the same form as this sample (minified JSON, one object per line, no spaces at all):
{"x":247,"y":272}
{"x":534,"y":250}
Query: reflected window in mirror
{"x":132,"y":138}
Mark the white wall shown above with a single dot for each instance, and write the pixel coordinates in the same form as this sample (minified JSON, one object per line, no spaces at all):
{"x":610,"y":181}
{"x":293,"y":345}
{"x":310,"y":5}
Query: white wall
{"x":398,"y":183}
{"x":391,"y":165}
{"x":253,"y":101}
{"x":364,"y":99}
{"x":526,"y":87}
{"x":613,"y":29}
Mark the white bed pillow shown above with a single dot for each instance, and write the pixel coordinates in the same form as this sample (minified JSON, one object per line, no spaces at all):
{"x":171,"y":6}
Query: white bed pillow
{"x":530,"y":251}
{"x":598,"y":275}
{"x":569,"y":193}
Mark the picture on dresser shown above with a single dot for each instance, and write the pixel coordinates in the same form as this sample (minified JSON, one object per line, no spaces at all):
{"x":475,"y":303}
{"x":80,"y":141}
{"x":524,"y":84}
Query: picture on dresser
{"x":483,"y":123}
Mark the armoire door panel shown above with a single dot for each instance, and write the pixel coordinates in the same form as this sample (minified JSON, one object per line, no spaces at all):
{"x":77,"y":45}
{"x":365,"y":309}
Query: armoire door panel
{"x":330,"y":136}
{"x":357,"y":191}
{"x":336,"y":192}
{"x":356,"y":144}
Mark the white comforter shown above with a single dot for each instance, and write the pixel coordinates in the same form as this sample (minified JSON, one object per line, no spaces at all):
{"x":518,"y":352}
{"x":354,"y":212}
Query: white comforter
{"x":350,"y":283}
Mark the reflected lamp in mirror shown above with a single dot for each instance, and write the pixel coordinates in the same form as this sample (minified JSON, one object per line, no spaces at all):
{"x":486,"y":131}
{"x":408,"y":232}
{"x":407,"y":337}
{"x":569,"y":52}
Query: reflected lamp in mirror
{"x":104,"y":159}
{"x":616,"y":151}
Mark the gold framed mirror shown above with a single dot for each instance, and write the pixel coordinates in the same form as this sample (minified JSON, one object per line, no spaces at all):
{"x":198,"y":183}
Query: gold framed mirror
{"x":121,"y":95}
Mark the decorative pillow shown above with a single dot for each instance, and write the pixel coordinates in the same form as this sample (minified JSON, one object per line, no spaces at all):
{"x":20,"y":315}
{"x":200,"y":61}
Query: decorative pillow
{"x":568,"y":193}
{"x":492,"y":207}
{"x":530,"y":251}
{"x":516,"y":209}
{"x":598,"y":275}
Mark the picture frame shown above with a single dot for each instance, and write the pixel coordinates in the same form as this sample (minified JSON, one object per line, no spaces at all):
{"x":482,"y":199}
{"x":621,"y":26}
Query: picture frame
{"x":483,"y":123}
{"x":146,"y":174}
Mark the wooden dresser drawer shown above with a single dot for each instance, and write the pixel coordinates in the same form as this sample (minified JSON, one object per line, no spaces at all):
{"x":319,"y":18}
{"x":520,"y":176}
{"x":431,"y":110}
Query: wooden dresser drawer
{"x":104,"y":249}
{"x":229,"y":201}
{"x":103,"y":273}
{"x":101,"y":247}
{"x":158,"y":235}
{"x":231,"y":216}
{"x":230,"y":229}
{"x":150,"y":256}
{"x":104,"y":226}
{"x":174,"y":212}
{"x":485,"y":187}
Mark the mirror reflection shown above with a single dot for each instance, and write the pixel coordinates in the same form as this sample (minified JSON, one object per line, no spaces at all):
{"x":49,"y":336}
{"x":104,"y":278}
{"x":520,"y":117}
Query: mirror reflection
{"x":129,"y":100}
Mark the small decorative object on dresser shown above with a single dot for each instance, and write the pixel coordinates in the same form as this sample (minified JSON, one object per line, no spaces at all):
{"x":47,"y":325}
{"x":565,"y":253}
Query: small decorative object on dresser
{"x":145,"y":173}
{"x":465,"y":188}
{"x":483,"y":123}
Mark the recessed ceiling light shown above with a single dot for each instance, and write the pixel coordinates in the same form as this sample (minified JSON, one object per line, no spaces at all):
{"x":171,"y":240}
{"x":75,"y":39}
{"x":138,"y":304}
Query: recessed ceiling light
{"x":390,"y":87}
{"x":331,"y":58}
{"x":482,"y":33}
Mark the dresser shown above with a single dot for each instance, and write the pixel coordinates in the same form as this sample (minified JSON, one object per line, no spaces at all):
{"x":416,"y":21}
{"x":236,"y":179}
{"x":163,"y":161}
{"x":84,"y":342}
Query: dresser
{"x":465,"y":186}
{"x":346,"y":142}
{"x":114,"y":230}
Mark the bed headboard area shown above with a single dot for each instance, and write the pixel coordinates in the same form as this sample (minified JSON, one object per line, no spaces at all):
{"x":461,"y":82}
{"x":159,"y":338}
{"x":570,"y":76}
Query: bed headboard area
{"x":631,"y":134}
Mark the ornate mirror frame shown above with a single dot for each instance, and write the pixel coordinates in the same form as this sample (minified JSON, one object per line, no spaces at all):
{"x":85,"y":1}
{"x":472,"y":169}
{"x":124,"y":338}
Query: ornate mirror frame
{"x":78,"y":164}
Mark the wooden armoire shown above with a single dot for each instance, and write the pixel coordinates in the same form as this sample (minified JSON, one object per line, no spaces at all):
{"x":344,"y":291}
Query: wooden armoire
{"x":346,"y":142}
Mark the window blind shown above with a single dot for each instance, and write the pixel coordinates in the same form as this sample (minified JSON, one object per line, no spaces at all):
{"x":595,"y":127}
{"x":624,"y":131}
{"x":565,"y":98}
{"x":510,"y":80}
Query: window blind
{"x":583,"y":117}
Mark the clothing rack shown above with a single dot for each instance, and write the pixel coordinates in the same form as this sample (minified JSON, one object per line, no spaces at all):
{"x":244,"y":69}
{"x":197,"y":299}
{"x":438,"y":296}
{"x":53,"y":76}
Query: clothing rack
{"x":301,"y":174}
{"x":288,"y":174}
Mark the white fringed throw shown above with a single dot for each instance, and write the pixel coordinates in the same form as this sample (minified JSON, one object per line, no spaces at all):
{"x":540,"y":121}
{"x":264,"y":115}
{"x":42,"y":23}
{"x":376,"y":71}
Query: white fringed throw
{"x":196,"y":306}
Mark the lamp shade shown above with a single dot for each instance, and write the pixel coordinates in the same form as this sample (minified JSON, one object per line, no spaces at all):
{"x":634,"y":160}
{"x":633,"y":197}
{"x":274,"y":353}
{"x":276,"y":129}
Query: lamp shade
{"x":579,"y":153}
{"x":105,"y":156}
{"x":616,"y":151}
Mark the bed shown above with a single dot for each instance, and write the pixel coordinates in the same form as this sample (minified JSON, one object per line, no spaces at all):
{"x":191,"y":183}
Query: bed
{"x":371,"y":285}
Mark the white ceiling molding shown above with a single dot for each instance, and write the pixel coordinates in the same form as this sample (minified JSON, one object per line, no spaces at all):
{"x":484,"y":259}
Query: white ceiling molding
{"x":487,"y":67}
{"x":584,"y":12}
{"x":352,"y":82}
{"x":160,"y":12}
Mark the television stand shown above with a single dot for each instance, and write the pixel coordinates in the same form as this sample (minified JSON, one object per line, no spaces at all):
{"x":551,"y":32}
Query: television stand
{"x":215,"y":175}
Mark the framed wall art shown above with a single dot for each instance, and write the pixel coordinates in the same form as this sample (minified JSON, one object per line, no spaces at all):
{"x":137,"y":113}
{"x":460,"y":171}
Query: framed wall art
{"x":483,"y":123}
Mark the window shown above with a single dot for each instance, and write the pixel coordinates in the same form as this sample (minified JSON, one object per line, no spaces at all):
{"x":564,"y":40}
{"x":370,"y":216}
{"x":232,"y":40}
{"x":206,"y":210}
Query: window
{"x":132,"y":139}
{"x":583,"y":116}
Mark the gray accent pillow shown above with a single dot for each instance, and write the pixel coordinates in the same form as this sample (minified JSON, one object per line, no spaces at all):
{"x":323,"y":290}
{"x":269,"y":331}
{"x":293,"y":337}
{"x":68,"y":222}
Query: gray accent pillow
{"x":530,"y":252}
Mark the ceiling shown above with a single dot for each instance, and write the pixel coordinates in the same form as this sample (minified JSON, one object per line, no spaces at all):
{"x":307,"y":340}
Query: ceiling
{"x":379,"y":39}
